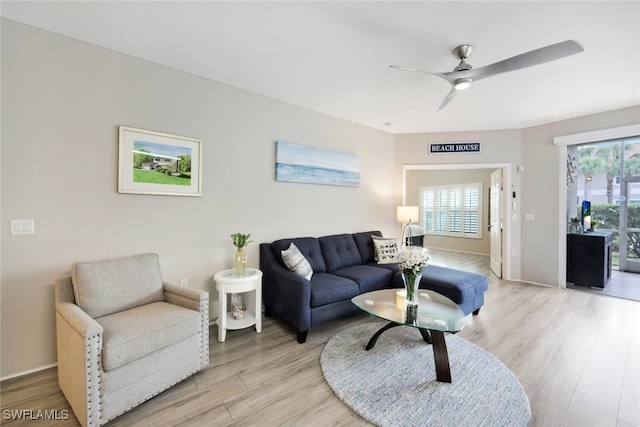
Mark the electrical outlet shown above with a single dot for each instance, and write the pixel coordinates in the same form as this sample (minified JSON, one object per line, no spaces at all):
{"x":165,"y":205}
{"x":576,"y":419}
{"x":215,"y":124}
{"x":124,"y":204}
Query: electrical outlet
{"x":184,"y":282}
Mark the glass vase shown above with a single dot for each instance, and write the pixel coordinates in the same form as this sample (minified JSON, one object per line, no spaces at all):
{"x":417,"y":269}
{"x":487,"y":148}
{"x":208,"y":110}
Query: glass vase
{"x":238,"y":309}
{"x":575,"y":228}
{"x":411,"y":284}
{"x":241,"y":262}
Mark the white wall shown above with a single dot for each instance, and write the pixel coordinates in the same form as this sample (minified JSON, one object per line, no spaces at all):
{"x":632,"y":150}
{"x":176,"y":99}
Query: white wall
{"x":62,"y":102}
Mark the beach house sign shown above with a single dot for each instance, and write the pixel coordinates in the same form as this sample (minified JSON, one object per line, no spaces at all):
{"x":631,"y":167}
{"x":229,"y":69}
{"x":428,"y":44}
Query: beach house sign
{"x":454,"y":147}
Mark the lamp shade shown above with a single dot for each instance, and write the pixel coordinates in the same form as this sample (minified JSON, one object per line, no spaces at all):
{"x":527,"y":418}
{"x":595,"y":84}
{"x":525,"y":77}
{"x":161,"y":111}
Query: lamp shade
{"x":407,"y":213}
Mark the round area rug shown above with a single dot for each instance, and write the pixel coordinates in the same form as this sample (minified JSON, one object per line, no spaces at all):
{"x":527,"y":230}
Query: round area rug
{"x":394,"y":383}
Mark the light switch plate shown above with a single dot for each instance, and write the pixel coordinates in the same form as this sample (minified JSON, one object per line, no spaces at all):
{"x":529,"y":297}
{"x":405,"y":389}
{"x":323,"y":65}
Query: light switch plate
{"x":22,"y":227}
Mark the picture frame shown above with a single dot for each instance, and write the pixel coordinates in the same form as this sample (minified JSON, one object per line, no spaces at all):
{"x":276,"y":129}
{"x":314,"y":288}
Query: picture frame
{"x":313,"y":165}
{"x":159,"y":163}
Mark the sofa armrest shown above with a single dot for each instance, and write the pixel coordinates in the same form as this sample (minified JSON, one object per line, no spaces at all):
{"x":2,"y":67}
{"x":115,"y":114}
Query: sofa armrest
{"x":197,"y":300}
{"x":79,"y":348}
{"x":285,"y":293}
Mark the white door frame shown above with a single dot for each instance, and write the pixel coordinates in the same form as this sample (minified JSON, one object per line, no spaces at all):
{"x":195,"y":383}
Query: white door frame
{"x":496,"y":219}
{"x":506,"y":176}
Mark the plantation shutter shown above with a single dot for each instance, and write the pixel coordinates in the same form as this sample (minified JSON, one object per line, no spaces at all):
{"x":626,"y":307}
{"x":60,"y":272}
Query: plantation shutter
{"x":452,"y":210}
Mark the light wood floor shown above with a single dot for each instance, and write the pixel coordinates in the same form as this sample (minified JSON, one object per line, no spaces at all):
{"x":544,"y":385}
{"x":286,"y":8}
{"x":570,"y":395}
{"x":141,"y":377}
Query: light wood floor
{"x":621,"y":285}
{"x":576,"y":354}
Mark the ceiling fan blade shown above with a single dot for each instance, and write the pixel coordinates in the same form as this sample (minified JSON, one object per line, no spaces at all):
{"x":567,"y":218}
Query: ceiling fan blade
{"x":528,"y":59}
{"x":452,"y":93}
{"x":443,"y":75}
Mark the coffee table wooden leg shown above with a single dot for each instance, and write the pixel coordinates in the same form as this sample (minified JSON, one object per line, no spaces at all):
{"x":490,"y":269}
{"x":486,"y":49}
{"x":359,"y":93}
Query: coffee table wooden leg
{"x":375,"y":336}
{"x":425,"y":335}
{"x":441,"y":357}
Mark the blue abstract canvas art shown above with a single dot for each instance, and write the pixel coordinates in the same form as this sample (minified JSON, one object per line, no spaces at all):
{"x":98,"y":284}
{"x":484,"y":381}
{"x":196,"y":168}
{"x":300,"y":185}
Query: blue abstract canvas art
{"x":312,"y":165}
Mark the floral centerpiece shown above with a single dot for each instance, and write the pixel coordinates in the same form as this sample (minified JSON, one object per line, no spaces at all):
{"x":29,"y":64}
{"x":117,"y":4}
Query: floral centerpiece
{"x":240,"y":241}
{"x":411,"y":261}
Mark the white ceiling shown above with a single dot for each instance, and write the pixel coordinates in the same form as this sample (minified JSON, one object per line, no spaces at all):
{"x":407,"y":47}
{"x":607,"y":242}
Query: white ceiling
{"x":334,"y":56}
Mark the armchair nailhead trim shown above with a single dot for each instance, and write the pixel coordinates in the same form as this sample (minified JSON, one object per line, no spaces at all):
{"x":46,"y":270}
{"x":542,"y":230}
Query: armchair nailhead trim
{"x":94,"y":379}
{"x":183,"y":296}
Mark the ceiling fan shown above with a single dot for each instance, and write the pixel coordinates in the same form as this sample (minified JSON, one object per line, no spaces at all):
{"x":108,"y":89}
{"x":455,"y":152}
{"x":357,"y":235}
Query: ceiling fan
{"x":464,"y":74}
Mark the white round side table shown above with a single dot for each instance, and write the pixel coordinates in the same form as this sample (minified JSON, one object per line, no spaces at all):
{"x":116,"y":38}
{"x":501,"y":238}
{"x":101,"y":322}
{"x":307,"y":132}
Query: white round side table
{"x":228,"y":282}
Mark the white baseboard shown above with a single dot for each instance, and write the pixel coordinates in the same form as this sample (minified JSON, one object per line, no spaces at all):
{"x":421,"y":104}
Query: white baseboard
{"x":546,"y":285}
{"x":30,"y":371}
{"x":453,"y":250}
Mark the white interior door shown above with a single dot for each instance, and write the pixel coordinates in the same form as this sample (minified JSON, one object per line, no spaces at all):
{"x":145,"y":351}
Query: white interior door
{"x":495,"y":222}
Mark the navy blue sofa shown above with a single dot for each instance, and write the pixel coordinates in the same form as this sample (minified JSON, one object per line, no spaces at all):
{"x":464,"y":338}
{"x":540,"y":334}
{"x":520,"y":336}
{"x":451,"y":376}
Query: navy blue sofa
{"x":343,"y":267}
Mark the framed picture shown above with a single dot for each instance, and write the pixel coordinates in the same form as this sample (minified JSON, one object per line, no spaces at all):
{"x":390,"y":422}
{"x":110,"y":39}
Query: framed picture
{"x":159,"y":163}
{"x":313,"y":165}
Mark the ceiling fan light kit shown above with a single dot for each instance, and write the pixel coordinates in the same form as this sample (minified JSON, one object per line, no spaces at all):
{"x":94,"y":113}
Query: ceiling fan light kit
{"x":463,"y":74}
{"x":462,"y":84}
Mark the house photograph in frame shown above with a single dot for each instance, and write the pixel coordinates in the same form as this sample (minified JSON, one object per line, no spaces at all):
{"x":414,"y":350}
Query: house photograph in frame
{"x":159,"y":163}
{"x":312,"y":165}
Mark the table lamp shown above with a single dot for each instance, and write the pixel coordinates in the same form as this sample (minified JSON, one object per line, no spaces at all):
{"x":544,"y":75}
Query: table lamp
{"x":407,"y":214}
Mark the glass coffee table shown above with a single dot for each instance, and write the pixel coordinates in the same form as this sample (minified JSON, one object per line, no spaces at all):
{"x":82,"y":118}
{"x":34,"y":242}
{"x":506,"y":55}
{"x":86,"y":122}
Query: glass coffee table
{"x":434,"y":315}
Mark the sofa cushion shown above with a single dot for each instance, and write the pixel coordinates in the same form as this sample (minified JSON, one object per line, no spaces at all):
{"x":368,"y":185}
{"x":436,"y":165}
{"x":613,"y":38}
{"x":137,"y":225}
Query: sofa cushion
{"x":107,"y":286}
{"x":394,"y":267}
{"x":339,"y":251}
{"x":327,"y":288}
{"x":296,"y":262}
{"x":386,"y":250}
{"x":308,"y":246}
{"x":457,"y":285}
{"x":368,"y":278}
{"x":364,"y":243}
{"x":132,"y":334}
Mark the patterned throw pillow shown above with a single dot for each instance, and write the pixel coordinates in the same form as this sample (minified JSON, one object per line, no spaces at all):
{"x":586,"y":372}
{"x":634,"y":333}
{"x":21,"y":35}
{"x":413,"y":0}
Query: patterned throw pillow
{"x":385,"y":250}
{"x":296,"y":262}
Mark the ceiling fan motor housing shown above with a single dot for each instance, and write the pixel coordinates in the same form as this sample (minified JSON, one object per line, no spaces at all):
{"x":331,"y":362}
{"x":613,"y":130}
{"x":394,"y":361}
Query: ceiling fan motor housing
{"x":463,"y":51}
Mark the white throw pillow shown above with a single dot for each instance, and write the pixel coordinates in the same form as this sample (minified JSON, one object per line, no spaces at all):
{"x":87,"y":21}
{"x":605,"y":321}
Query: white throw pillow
{"x":385,"y":249}
{"x":296,"y":262}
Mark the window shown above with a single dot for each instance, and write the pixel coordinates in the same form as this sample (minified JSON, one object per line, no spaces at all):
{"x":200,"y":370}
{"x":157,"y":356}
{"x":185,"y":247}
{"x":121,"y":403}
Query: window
{"x":452,"y":210}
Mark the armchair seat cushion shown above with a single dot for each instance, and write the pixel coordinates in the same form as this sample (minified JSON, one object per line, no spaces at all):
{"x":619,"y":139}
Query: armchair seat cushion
{"x":327,"y":288}
{"x":137,"y":332}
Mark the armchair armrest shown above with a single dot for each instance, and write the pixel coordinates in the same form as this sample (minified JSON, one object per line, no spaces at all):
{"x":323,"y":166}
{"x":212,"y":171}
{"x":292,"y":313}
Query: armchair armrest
{"x":79,"y":347}
{"x":185,"y":297}
{"x":79,"y":321}
{"x":197,"y":300}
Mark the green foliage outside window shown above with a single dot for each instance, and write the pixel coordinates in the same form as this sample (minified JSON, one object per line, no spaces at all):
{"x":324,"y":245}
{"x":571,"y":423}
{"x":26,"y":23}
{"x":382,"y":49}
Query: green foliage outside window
{"x":609,"y":217}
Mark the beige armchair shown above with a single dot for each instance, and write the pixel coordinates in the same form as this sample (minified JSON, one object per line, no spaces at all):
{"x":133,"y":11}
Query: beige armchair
{"x":124,"y":336}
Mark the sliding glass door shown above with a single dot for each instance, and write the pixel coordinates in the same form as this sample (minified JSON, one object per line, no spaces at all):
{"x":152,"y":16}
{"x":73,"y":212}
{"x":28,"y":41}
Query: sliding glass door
{"x":629,"y":227}
{"x":607,"y":174}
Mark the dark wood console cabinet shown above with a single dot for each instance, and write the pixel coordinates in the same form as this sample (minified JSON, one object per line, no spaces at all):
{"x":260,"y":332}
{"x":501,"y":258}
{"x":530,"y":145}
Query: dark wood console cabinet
{"x":589,"y":258}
